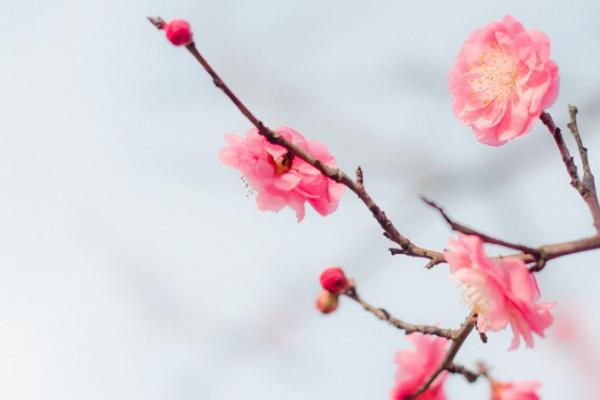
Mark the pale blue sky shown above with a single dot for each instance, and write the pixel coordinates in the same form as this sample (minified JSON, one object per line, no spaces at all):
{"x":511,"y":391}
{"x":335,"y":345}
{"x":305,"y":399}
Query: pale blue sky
{"x":134,"y":266}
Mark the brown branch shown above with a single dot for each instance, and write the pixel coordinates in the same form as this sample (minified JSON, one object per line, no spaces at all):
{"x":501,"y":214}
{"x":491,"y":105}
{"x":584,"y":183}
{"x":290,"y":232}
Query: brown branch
{"x":333,"y":173}
{"x":455,"y":226}
{"x":406,"y":246}
{"x":469,"y":375}
{"x":383,"y":315}
{"x":586,"y":190}
{"x":457,"y":341}
{"x":588,"y":180}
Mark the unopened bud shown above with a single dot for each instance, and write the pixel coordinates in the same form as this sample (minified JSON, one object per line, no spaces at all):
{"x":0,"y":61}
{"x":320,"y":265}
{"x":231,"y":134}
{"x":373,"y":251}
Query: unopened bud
{"x":327,"y":302}
{"x":178,"y":32}
{"x":334,"y":280}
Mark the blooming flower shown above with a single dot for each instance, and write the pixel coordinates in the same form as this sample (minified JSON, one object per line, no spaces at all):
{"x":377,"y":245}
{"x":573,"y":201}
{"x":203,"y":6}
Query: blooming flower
{"x":515,"y":391}
{"x":502,"y":80}
{"x":501,"y":292}
{"x":280,"y":178}
{"x":416,"y":366}
{"x":178,"y":32}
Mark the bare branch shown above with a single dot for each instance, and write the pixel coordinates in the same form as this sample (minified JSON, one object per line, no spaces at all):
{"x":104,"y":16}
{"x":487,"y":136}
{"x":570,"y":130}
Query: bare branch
{"x":588,"y":180}
{"x":586,"y":191}
{"x":455,"y":226}
{"x":383,"y":315}
{"x":469,"y":375}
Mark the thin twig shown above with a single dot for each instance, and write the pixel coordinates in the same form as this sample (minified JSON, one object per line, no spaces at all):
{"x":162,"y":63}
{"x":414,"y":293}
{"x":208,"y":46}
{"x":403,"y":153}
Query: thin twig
{"x":455,"y":226}
{"x":407,"y":247}
{"x":335,"y":174}
{"x":587,"y":180}
{"x":383,"y":315}
{"x":587,"y":192}
{"x":457,"y":341}
{"x":548,"y":251}
{"x":469,"y":375}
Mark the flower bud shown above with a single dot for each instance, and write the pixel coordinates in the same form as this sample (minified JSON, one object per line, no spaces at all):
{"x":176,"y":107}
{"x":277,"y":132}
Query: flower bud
{"x":334,"y":280}
{"x":178,"y":32}
{"x":327,"y":302}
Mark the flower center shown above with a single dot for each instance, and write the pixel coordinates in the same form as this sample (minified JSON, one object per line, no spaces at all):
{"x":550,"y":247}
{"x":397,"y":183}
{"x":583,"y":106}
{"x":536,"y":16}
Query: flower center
{"x":476,"y":298}
{"x":282,"y":164}
{"x":495,"y":76}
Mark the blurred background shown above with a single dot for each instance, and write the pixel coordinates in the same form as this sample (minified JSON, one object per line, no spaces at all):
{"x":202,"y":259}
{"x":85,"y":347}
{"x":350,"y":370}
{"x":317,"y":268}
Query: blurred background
{"x":133,"y":265}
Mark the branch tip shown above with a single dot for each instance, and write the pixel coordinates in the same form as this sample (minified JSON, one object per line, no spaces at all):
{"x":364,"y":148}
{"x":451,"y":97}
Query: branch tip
{"x":158,"y":22}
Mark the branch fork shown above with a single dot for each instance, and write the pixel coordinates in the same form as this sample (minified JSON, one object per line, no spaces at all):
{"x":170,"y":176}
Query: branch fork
{"x":538,"y":256}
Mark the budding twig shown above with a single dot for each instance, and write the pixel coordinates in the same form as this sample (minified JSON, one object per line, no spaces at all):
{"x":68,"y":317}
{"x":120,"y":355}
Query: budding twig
{"x":333,"y":173}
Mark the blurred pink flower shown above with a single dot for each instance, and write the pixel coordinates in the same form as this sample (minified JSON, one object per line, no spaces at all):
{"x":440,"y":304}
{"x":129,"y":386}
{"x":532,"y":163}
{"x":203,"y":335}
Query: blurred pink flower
{"x":515,"y":391}
{"x":280,"y":178}
{"x":327,"y":302}
{"x":501,"y":292}
{"x":416,"y":366}
{"x":502,"y":80}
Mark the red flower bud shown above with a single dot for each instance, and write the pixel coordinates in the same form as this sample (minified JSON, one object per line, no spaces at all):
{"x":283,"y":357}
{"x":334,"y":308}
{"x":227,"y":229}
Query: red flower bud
{"x":334,"y":280}
{"x":178,"y":32}
{"x":327,"y":302}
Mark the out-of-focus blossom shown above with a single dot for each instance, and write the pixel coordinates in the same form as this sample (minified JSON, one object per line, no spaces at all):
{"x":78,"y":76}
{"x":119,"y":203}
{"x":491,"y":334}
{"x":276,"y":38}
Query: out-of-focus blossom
{"x":515,"y":391}
{"x":502,"y":80}
{"x":327,"y":302}
{"x":416,"y":365}
{"x":502,"y":291}
{"x":280,"y":178}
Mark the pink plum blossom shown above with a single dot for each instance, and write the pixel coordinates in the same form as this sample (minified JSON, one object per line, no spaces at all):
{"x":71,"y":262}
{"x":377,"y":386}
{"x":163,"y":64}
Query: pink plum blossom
{"x":515,"y":391}
{"x":502,"y":80}
{"x":279,"y":177}
{"x":501,"y":291}
{"x":416,"y":366}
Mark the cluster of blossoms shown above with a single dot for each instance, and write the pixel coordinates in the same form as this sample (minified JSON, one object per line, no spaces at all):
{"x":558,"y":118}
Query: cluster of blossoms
{"x":501,"y":82}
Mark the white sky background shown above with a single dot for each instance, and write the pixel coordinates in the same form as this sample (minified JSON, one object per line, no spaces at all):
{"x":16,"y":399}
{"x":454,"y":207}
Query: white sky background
{"x":134,"y":266}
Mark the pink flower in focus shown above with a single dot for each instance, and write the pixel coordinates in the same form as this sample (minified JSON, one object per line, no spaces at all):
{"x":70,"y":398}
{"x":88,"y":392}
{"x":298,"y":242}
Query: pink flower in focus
{"x":416,"y":366}
{"x":501,"y":292}
{"x":502,"y":80}
{"x":280,"y":178}
{"x":515,"y":391}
